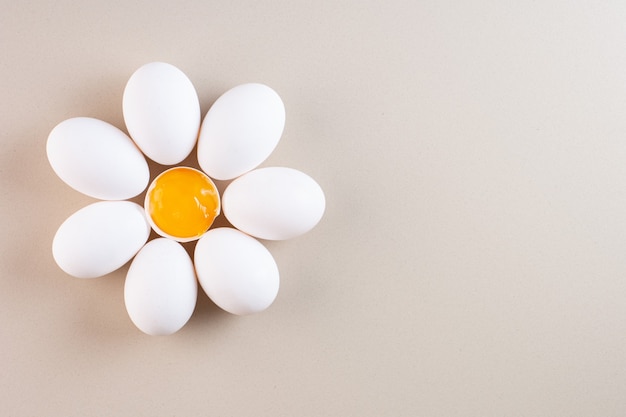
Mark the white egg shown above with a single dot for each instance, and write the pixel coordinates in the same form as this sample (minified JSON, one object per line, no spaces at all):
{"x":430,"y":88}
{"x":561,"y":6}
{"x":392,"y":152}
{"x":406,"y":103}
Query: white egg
{"x":236,"y":271}
{"x":100,"y":238}
{"x":274,"y":203}
{"x":162,"y":112}
{"x":97,"y":159}
{"x":240,"y":130}
{"x":161,"y":288}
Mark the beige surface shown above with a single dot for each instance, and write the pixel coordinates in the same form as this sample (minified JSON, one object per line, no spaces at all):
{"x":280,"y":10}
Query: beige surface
{"x":471,"y":259}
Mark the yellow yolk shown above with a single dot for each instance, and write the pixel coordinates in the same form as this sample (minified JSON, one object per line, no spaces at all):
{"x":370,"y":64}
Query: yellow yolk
{"x":183,"y":202}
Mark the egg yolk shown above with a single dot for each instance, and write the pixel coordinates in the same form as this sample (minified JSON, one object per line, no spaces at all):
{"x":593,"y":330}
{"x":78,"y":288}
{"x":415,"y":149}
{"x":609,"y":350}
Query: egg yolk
{"x":183,"y":202}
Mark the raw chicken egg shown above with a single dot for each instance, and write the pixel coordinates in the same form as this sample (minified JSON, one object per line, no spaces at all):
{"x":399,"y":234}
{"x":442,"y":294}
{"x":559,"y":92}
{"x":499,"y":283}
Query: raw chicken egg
{"x":274,"y":203}
{"x":240,"y":130}
{"x":161,"y":289}
{"x":181,"y":203}
{"x":236,"y":271}
{"x":100,"y":238}
{"x":162,"y":112}
{"x":97,"y":159}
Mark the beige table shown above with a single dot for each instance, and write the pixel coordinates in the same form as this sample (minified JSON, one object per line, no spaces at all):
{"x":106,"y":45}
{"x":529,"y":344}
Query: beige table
{"x":471,"y":261}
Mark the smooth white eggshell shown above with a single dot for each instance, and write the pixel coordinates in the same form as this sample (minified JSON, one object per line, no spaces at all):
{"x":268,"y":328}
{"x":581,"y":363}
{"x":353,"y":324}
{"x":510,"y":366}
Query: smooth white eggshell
{"x":162,"y":112}
{"x":97,"y":159}
{"x":274,"y":203}
{"x":240,"y":130}
{"x":100,"y":238}
{"x":160,"y":289}
{"x":236,"y":271}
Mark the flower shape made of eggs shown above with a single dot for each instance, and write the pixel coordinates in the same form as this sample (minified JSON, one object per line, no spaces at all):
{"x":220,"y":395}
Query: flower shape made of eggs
{"x":162,"y":114}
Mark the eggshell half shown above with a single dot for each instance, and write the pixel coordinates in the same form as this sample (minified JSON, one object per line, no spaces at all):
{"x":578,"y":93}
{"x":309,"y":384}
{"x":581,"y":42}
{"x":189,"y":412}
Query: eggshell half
{"x":160,"y":289}
{"x":162,"y":112}
{"x":100,"y":238}
{"x":236,"y":271}
{"x":240,"y":130}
